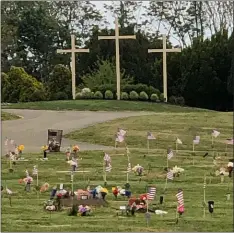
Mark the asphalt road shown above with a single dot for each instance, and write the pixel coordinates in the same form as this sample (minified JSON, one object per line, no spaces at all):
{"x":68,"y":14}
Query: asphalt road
{"x":31,"y":130}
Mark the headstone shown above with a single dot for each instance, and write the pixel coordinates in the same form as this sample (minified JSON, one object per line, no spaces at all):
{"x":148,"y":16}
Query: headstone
{"x":211,"y":206}
{"x":161,"y":200}
{"x":28,"y":187}
{"x":61,"y":187}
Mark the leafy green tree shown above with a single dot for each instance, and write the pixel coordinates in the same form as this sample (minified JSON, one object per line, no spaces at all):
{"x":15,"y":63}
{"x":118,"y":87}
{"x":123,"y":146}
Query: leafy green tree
{"x":104,"y":74}
{"x":59,"y":81}
{"x":23,"y":86}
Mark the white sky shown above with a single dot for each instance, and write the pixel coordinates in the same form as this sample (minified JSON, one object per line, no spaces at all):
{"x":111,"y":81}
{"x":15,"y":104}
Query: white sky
{"x":110,"y":19}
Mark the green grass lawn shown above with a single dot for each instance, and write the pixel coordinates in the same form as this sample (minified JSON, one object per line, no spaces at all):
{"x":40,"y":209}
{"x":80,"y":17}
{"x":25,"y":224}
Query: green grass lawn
{"x":27,"y":214}
{"x":100,"y":105}
{"x":165,"y":127}
{"x":5,"y":116}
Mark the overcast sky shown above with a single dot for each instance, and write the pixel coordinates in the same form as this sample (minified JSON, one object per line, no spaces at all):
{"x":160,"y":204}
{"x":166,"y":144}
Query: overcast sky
{"x":110,"y":19}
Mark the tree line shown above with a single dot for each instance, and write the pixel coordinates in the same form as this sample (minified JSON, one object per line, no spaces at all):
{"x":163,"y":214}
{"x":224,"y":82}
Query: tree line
{"x":202,"y":73}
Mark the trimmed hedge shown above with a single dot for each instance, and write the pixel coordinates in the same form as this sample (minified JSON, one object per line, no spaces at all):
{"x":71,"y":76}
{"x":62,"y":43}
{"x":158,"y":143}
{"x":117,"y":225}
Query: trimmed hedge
{"x":154,"y":97}
{"x":124,"y":96}
{"x":98,"y":95}
{"x":133,"y":95}
{"x":109,"y":95}
{"x":143,"y":96}
{"x":149,"y":90}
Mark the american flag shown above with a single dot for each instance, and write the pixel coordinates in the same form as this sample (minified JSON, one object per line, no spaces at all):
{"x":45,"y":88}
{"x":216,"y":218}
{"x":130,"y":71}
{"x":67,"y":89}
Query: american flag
{"x":150,"y":136}
{"x":151,"y":193}
{"x":180,"y":198}
{"x":196,"y":140}
{"x":122,"y":132}
{"x":107,"y":158}
{"x":129,"y":168}
{"x":178,"y":141}
{"x":215,"y":133}
{"x":35,"y":171}
{"x":169,"y":154}
{"x":170,"y":175}
{"x":229,"y":141}
{"x":119,"y":137}
{"x":108,"y":167}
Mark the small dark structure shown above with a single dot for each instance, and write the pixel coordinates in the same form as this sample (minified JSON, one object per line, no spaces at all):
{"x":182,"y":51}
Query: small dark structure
{"x":54,"y":140}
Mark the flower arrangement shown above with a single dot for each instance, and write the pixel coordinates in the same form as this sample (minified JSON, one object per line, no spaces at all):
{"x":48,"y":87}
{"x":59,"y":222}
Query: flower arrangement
{"x":21,"y":147}
{"x":75,"y":148}
{"x":45,"y":147}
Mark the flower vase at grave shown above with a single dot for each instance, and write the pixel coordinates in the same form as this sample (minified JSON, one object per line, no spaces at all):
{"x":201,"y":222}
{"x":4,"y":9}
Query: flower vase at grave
{"x":28,"y":187}
{"x":161,"y":200}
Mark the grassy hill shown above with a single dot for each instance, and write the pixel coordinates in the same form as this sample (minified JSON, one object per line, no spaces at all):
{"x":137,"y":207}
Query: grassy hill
{"x":100,"y":105}
{"x":166,"y":127}
{"x":27,"y":214}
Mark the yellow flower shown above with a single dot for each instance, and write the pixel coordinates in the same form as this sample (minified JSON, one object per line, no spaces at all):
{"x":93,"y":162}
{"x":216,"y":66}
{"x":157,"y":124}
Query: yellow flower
{"x":21,"y":147}
{"x":75,"y":148}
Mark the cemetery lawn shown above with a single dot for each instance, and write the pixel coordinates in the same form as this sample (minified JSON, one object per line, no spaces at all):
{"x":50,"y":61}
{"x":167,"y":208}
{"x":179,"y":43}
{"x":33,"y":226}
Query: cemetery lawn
{"x":5,"y":116}
{"x":100,"y":105}
{"x":165,"y":126}
{"x":27,"y":214}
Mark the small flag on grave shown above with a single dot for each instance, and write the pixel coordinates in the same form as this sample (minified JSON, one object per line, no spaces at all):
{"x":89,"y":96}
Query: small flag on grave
{"x":169,"y":154}
{"x":129,"y":168}
{"x":9,"y":192}
{"x":151,"y":193}
{"x":122,"y":132}
{"x":150,"y":136}
{"x":229,"y":141}
{"x":215,"y":133}
{"x":196,"y":140}
{"x":119,"y":137}
{"x":180,"y":198}
{"x":178,"y":141}
{"x":35,"y":171}
{"x":107,"y":160}
{"x":170,"y":175}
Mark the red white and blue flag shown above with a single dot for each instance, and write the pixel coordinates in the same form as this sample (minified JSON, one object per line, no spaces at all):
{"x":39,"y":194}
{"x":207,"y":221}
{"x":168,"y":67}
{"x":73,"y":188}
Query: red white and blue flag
{"x":151,"y":193}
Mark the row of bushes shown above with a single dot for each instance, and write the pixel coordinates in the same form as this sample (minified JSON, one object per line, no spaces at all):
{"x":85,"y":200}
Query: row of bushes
{"x":138,"y":88}
{"x":108,"y":95}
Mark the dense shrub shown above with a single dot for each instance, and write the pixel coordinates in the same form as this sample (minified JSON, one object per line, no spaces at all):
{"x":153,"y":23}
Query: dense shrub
{"x":180,"y":101}
{"x":60,"y":96}
{"x":98,"y":95}
{"x":143,"y":96}
{"x":60,"y":81}
{"x":124,"y":96}
{"x":5,"y":88}
{"x":22,"y":86}
{"x":78,"y":96}
{"x":109,"y":95}
{"x":172,"y":100}
{"x":154,"y":97}
{"x":127,"y":88}
{"x":161,"y":97}
{"x":133,"y":95}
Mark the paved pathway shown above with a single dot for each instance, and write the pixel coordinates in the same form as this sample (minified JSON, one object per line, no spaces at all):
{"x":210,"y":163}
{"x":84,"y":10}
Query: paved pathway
{"x":31,"y":130}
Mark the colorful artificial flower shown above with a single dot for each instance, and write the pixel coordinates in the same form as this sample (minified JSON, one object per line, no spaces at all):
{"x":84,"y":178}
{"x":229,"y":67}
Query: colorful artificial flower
{"x":21,"y":147}
{"x":44,"y":147}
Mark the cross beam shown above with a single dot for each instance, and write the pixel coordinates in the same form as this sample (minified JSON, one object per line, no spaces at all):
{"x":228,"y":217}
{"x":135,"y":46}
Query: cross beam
{"x":117,"y":37}
{"x":164,"y":50}
{"x":73,"y":50}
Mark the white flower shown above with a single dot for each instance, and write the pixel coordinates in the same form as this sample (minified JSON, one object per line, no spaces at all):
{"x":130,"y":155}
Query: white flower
{"x":85,"y":90}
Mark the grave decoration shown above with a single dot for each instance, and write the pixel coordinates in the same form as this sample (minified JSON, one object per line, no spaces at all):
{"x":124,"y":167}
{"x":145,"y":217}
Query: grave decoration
{"x":68,"y":153}
{"x":119,"y":191}
{"x":138,"y":169}
{"x":54,"y":140}
{"x":177,"y":171}
{"x":27,"y":181}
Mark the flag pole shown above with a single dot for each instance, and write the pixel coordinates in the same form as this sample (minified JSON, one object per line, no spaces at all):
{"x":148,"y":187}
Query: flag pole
{"x":193,"y":152}
{"x":176,"y":147}
{"x":166,"y":175}
{"x":204,"y":197}
{"x":148,"y":145}
{"x":37,"y":175}
{"x":212,"y":140}
{"x":127,"y":177}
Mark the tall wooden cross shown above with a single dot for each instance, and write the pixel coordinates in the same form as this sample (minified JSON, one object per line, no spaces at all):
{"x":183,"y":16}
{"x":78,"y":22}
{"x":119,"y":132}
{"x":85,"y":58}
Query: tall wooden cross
{"x":73,"y":50}
{"x":117,"y":37}
{"x":164,"y":51}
